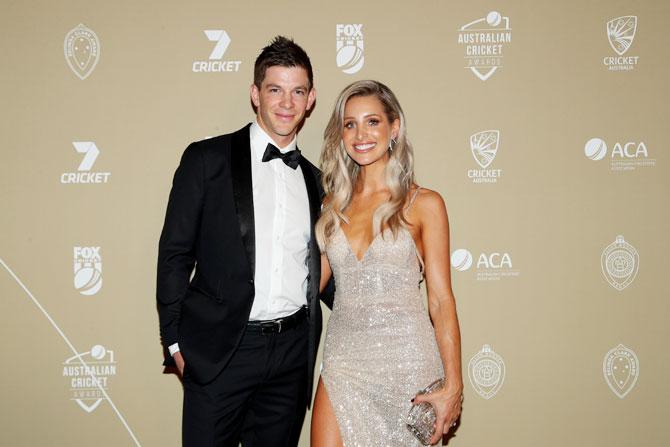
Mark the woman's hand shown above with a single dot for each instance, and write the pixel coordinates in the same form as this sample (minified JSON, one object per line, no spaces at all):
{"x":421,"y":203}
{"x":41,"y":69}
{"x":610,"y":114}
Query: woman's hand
{"x":447,"y":405}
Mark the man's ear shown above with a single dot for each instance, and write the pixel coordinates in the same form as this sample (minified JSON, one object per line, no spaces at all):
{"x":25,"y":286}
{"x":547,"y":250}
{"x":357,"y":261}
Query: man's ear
{"x":255,"y":95}
{"x":311,"y":97}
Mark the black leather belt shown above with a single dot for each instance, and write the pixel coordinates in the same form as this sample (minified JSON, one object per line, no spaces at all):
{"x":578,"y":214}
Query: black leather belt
{"x":278,"y":325}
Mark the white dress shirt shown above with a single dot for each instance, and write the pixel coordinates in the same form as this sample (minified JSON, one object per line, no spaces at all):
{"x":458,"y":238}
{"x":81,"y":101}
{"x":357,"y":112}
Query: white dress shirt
{"x":282,"y":230}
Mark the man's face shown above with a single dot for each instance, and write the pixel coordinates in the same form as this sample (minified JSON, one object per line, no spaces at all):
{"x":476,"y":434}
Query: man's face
{"x":281,"y":101}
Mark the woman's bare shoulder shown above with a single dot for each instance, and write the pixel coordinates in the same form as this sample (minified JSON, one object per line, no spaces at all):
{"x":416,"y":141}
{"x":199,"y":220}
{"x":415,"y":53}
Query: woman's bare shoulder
{"x":429,"y":207}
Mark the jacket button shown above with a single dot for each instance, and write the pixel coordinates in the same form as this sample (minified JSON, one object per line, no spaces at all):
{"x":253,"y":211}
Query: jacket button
{"x":251,"y":281}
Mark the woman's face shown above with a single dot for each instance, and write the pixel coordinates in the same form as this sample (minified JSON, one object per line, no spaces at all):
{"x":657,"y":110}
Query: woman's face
{"x":366,"y":130}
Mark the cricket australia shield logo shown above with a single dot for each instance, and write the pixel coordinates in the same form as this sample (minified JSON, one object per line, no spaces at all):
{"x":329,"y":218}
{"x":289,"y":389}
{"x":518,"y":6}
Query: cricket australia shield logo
{"x":484,"y":146}
{"x":619,"y":263}
{"x":82,"y":50}
{"x":621,"y":369}
{"x":621,"y":32}
{"x":486,"y":371}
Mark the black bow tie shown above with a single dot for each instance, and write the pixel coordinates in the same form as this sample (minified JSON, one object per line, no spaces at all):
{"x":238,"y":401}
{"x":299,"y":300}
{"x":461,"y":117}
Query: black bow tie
{"x":290,"y":159}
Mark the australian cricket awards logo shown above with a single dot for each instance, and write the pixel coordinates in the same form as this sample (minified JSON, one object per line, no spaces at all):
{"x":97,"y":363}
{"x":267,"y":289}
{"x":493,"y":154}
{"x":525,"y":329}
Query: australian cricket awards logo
{"x":84,"y":173}
{"x":349,"y":46}
{"x":619,"y":263}
{"x":82,"y":50}
{"x":625,"y":156}
{"x":88,"y":376}
{"x":621,"y":369}
{"x":620,"y":34}
{"x":484,"y":40}
{"x":216,"y":63}
{"x":87,"y":270}
{"x":484,"y":147}
{"x":486,"y":370}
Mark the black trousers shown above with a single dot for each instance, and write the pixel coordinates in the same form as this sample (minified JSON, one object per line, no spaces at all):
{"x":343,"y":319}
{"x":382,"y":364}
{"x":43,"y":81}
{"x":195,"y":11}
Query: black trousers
{"x":259,"y":399}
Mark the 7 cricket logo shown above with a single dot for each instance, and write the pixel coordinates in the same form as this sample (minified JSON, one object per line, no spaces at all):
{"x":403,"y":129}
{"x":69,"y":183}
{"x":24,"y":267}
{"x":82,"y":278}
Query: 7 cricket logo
{"x":84,"y":174}
{"x":216,"y":64}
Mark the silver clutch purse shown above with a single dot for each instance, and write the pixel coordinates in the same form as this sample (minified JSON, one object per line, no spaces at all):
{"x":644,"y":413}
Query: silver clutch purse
{"x":421,"y":417}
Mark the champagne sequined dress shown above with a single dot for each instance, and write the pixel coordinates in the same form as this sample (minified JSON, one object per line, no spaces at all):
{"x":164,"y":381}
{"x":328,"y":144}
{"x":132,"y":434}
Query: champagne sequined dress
{"x":380,"y":346}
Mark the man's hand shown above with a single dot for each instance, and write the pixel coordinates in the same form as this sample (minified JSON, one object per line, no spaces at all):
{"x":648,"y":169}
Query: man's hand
{"x":179,"y":360}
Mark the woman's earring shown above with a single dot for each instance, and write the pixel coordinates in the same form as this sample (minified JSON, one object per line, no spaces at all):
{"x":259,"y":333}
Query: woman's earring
{"x":391,"y":144}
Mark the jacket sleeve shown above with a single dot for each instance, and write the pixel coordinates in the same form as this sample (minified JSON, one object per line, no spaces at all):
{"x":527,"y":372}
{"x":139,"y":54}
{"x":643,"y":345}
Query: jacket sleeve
{"x":328,"y":293}
{"x":176,"y":248}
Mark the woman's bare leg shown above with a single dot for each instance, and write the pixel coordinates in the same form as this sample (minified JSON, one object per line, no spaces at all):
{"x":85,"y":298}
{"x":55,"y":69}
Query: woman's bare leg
{"x":325,"y":431}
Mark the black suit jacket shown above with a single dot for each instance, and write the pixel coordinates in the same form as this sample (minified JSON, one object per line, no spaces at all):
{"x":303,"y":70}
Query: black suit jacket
{"x":209,"y":227}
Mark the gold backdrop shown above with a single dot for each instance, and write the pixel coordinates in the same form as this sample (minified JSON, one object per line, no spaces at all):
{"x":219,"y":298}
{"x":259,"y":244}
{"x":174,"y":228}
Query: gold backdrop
{"x":542,"y":124}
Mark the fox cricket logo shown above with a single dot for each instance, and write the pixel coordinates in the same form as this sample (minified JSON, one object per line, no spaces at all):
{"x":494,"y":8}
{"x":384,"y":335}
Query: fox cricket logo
{"x":84,"y":174}
{"x":87,"y":270}
{"x":349,"y":46}
{"x":216,"y":64}
{"x":627,"y":156}
{"x":484,"y":147}
{"x":88,"y":376}
{"x":620,"y":34}
{"x":82,"y":50}
{"x":619,"y":262}
{"x":484,"y":39}
{"x":486,"y":371}
{"x":621,"y":368}
{"x":489,"y":267}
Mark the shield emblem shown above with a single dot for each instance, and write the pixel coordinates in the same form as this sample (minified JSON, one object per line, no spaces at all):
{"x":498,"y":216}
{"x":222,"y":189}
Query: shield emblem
{"x":486,"y":371}
{"x":82,"y":50}
{"x":484,"y":146}
{"x":621,"y":32}
{"x":621,"y":369}
{"x":619,"y":262}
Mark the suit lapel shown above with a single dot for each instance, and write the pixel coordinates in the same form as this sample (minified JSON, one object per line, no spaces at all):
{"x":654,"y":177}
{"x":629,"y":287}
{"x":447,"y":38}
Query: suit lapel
{"x":240,"y":166}
{"x":313,"y":256}
{"x":312,"y":193}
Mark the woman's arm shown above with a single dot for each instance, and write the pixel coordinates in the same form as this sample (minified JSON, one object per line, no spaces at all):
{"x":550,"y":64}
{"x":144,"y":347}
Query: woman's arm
{"x":430,"y":213}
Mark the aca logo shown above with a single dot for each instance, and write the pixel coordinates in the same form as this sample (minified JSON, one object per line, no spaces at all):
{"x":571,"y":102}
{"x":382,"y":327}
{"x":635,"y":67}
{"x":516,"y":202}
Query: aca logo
{"x":88,"y":375}
{"x":626,"y":156}
{"x":484,"y":40}
{"x":621,"y":368}
{"x":619,"y":262}
{"x":620,"y":34}
{"x":349,"y":46}
{"x":87,"y":270}
{"x":84,"y":174}
{"x":484,"y":147}
{"x":82,"y":50}
{"x":486,"y":371}
{"x":216,"y":62}
{"x":491,"y":266}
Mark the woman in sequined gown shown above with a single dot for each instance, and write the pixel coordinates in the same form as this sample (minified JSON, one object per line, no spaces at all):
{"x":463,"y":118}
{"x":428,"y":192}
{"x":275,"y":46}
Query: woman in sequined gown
{"x":380,"y":235}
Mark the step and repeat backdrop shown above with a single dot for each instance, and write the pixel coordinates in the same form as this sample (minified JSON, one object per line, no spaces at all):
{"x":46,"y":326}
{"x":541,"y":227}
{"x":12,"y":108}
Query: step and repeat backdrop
{"x":543,"y":124}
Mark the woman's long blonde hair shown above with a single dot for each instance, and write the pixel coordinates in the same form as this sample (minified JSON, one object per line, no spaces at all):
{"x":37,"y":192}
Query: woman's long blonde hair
{"x":340,"y":172}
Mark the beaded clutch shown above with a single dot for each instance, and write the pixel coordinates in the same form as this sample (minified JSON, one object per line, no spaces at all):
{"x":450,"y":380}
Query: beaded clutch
{"x":421,"y":417}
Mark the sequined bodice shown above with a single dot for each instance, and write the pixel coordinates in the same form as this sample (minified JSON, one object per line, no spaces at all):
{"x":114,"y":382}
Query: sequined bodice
{"x":388,"y":265}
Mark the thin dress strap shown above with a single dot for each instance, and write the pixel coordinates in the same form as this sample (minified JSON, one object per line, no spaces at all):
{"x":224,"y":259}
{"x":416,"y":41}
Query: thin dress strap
{"x":418,"y":255}
{"x":411,"y":201}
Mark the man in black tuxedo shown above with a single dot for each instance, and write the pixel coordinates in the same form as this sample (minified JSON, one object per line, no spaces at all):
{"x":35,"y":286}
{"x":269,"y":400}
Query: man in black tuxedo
{"x":244,"y":329}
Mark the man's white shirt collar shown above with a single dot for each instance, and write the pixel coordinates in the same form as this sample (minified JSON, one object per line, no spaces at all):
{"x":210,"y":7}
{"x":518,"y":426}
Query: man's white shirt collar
{"x":260,"y":139}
